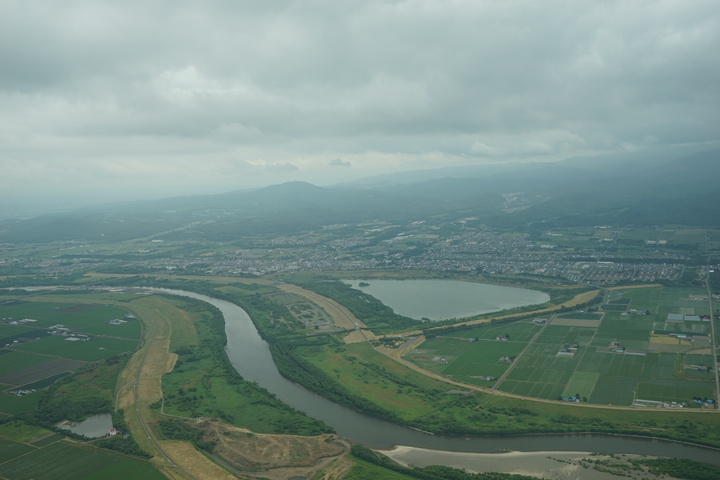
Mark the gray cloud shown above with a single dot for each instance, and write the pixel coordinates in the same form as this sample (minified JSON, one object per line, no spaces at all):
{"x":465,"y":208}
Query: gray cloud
{"x":337,"y":162}
{"x":297,"y":85}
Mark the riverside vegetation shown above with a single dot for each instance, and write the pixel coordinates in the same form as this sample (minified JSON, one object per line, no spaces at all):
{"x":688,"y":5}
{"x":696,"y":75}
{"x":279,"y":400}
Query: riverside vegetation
{"x":203,"y":383}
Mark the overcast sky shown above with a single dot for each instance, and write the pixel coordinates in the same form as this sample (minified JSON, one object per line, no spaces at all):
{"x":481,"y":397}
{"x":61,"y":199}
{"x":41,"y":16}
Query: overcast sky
{"x":141,"y":99}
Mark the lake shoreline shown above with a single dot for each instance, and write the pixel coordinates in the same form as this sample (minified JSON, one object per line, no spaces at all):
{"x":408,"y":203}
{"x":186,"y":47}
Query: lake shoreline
{"x":419,"y":299}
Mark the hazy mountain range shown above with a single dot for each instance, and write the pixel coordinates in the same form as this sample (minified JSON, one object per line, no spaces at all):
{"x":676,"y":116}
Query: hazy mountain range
{"x":630,"y":189}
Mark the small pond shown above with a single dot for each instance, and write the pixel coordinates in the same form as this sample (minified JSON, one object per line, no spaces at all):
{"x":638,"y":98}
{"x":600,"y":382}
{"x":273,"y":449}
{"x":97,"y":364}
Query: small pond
{"x":95,"y":426}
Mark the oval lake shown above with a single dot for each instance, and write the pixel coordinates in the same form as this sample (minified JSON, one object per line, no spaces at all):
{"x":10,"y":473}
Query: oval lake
{"x":443,"y":299}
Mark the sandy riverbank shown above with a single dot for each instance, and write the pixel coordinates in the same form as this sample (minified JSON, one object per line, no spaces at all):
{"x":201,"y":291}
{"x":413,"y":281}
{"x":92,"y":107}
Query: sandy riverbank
{"x":547,"y":465}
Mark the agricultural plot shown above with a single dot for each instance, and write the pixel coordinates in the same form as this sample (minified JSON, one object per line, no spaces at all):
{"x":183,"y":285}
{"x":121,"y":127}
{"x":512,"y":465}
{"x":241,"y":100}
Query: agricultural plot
{"x":40,"y":371}
{"x":580,"y":316}
{"x":10,"y":450}
{"x":22,"y":432}
{"x":8,"y":333}
{"x":92,"y":350}
{"x":517,"y":332}
{"x":14,"y":405}
{"x":540,"y":372}
{"x":581,"y":382}
{"x":74,"y":316}
{"x":131,"y":329}
{"x":618,"y":360}
{"x":470,"y":361}
{"x":615,"y":307}
{"x":11,"y":361}
{"x":62,"y":460}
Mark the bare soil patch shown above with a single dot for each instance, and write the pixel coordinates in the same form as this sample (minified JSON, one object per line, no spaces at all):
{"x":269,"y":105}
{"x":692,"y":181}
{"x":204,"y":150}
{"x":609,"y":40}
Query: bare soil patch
{"x":193,"y":461}
{"x":271,"y":456}
{"x":342,"y":317}
{"x":575,"y":322}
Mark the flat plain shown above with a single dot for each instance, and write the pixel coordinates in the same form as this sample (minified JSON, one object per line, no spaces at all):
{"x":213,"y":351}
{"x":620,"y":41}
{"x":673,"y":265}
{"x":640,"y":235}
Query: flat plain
{"x":644,"y":346}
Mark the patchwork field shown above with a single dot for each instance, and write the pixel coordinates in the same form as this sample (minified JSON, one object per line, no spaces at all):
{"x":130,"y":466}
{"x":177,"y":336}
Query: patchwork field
{"x":42,"y":340}
{"x":627,"y":353}
{"x":63,"y":460}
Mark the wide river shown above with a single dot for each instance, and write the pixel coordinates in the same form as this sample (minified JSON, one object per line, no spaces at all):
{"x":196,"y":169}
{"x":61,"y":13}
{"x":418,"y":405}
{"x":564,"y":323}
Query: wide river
{"x":444,"y":299}
{"x":251,"y":357}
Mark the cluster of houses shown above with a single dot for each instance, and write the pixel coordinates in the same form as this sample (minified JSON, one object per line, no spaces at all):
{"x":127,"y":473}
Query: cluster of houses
{"x":20,"y":393}
{"x":679,"y":318}
{"x":61,"y":329}
{"x":24,"y":321}
{"x":701,"y":368}
{"x":573,"y":399}
{"x":568,"y":350}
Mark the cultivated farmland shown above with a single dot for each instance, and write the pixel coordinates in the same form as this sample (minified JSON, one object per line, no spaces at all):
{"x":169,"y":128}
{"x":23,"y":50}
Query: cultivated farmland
{"x":646,"y":347}
{"x":63,"y":460}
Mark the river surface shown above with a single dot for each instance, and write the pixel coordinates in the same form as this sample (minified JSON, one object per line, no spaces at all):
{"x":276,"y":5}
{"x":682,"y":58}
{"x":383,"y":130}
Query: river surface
{"x":444,"y":299}
{"x":251,"y":357}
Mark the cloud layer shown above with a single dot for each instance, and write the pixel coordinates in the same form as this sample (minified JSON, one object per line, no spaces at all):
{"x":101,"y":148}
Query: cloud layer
{"x":174,"y":96}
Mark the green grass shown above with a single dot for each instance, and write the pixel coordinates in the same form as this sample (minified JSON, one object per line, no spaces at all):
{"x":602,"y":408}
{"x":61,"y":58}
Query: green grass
{"x":582,"y":383}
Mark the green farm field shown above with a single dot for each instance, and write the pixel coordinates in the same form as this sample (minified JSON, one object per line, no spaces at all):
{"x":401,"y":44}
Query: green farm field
{"x":468,"y":359}
{"x":13,"y":405}
{"x":522,"y":331}
{"x":7,"y":331}
{"x":92,"y":350}
{"x":72,"y":315}
{"x":656,"y":372}
{"x":62,"y":460}
{"x":13,"y":360}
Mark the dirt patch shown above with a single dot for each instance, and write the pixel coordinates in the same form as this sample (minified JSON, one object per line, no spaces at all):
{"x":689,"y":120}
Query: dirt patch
{"x":359,"y":336}
{"x":575,"y":322}
{"x":342,"y":317}
{"x":193,"y":462}
{"x":336,"y":469}
{"x":669,"y":340}
{"x":271,"y":456}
